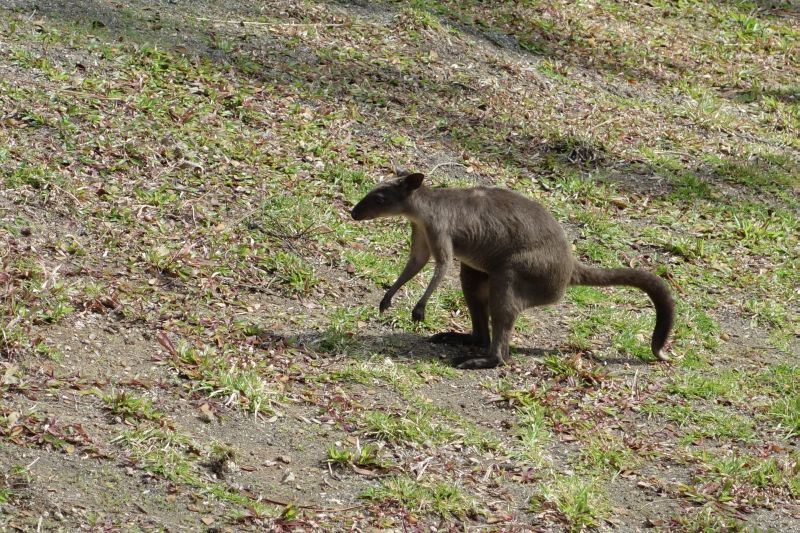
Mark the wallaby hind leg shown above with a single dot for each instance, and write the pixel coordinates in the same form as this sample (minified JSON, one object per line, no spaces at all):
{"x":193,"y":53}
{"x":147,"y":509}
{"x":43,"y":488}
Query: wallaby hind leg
{"x":504,"y":307}
{"x":475,"y":285}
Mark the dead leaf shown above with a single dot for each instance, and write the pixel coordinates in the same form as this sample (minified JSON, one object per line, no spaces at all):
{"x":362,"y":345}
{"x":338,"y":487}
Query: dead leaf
{"x":164,"y":341}
{"x":364,"y":472}
{"x":8,"y":375}
{"x":207,"y":415}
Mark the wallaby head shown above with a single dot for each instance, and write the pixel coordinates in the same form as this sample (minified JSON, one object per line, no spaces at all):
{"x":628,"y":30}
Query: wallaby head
{"x":388,"y":198}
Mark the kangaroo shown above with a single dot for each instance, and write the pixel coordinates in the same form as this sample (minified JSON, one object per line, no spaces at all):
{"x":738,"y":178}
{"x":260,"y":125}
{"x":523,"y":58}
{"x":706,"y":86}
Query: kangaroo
{"x":514,"y":255}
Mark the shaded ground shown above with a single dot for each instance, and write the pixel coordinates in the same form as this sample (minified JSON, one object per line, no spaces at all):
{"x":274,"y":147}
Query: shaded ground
{"x":190,"y":339}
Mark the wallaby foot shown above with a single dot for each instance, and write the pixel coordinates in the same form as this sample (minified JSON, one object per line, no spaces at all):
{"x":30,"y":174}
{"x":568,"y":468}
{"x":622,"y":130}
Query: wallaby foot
{"x":458,"y":339}
{"x":467,"y":362}
{"x":663,"y":356}
{"x":385,"y":302}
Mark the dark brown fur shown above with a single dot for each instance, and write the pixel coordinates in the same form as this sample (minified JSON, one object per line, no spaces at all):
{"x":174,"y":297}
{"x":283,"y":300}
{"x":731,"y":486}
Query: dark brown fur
{"x":513,"y":254}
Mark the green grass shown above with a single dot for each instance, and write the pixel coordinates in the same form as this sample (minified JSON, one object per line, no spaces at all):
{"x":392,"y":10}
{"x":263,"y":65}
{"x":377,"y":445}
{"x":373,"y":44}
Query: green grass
{"x":419,"y":427}
{"x":129,"y":407}
{"x":581,"y":502}
{"x":532,"y":435}
{"x":777,"y":472}
{"x":366,"y":456}
{"x":151,"y":187}
{"x":167,"y":453}
{"x":699,"y":423}
{"x":14,"y":482}
{"x":443,"y":498}
{"x":786,"y":411}
{"x":220,"y":376}
{"x":709,"y":517}
{"x":164,"y":452}
{"x":606,"y":453}
{"x":726,"y":385}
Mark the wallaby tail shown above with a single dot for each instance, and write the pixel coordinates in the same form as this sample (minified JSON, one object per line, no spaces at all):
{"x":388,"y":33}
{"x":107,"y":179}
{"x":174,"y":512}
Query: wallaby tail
{"x":654,"y":286}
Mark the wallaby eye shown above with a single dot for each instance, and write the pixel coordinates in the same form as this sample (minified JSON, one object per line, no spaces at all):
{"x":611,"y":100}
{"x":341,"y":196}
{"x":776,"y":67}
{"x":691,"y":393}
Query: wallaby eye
{"x":380,"y":200}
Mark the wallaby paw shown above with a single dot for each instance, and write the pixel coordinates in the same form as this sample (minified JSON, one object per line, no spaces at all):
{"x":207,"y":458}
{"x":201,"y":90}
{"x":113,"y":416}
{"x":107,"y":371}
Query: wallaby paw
{"x":385,"y":303}
{"x":471,"y":363}
{"x":418,"y":314}
{"x":663,"y":356}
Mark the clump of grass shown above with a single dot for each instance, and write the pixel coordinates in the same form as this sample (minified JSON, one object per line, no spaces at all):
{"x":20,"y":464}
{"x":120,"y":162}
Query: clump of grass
{"x":605,"y":453}
{"x":367,"y":456}
{"x":403,"y":377}
{"x":419,"y":427}
{"x":219,"y":376}
{"x":414,"y":19}
{"x":131,"y":408}
{"x":581,"y":501}
{"x":708,"y":423}
{"x":163,"y":451}
{"x":787,"y":412}
{"x":707,"y":518}
{"x":575,"y":369}
{"x":481,"y":439}
{"x":16,"y":479}
{"x":724,"y":384}
{"x":443,"y":498}
{"x":292,"y":271}
{"x":532,"y":433}
{"x":769,"y":472}
{"x":343,"y":324}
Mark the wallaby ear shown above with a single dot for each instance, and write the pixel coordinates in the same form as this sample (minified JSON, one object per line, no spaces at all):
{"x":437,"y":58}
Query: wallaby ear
{"x":413,"y":181}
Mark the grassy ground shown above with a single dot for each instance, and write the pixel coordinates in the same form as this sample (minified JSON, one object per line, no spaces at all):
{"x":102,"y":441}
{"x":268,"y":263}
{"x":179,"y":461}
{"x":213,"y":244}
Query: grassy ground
{"x":190,"y":337}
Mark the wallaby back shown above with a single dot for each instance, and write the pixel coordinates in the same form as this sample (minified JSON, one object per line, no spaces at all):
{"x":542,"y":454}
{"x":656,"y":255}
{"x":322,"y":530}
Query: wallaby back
{"x":654,"y":286}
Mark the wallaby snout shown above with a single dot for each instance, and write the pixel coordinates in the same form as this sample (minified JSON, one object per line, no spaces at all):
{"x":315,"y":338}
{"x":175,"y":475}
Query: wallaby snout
{"x":356,"y":213}
{"x":361,"y":212}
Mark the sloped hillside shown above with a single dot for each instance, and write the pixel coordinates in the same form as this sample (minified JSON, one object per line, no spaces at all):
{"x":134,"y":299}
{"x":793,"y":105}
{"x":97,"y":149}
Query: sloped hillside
{"x":189,"y":333}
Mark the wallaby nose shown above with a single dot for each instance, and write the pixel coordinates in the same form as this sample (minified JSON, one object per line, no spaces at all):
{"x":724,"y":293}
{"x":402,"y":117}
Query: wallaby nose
{"x":358,"y":211}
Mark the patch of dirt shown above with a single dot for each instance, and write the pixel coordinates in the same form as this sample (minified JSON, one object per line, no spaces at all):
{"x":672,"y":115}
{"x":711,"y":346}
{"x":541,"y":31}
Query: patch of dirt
{"x":147,"y":242}
{"x":69,"y":491}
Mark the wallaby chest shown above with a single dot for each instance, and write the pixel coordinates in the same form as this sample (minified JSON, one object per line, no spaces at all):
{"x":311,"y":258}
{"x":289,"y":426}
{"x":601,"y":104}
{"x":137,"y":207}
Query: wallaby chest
{"x":478,"y":241}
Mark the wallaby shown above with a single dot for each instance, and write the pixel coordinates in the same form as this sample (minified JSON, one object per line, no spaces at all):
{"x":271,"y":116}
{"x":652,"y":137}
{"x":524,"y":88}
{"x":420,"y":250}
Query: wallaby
{"x":513,"y":253}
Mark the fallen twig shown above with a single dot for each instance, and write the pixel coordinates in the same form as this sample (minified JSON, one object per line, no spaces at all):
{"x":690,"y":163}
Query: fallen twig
{"x":445,"y":164}
{"x":258,"y":23}
{"x":315,"y":508}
